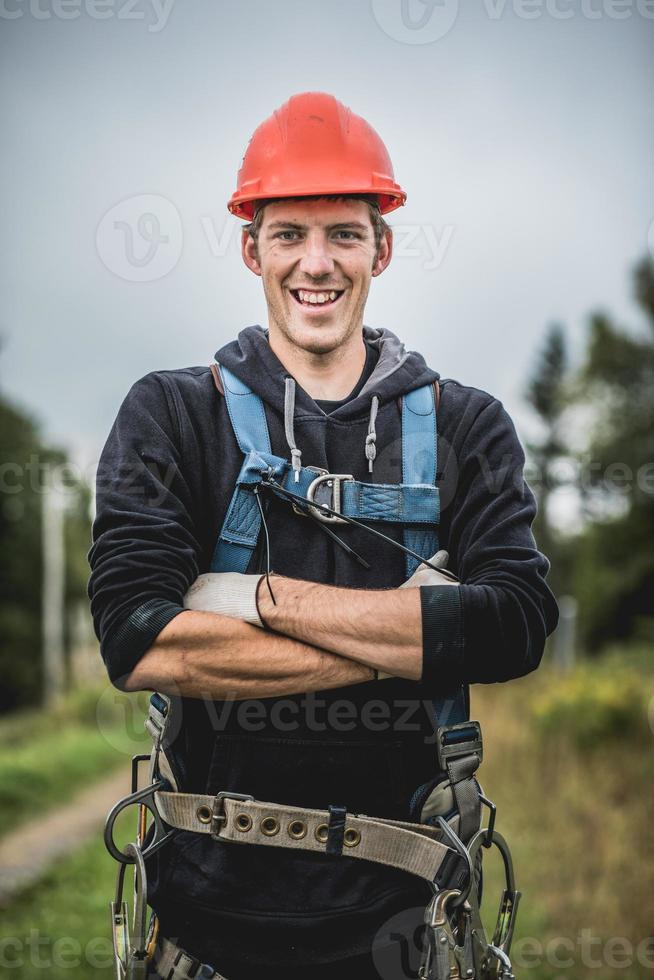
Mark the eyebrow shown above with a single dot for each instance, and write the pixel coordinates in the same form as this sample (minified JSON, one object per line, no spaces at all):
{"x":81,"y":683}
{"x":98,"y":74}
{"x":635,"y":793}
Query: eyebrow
{"x":298,"y":227}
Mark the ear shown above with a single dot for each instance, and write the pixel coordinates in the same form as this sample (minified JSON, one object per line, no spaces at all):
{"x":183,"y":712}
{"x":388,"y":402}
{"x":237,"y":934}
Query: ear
{"x":250,"y":252}
{"x":384,"y":254}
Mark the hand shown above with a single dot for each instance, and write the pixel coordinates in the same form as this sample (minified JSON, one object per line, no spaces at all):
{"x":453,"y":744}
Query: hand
{"x":424,"y":575}
{"x":227,"y":593}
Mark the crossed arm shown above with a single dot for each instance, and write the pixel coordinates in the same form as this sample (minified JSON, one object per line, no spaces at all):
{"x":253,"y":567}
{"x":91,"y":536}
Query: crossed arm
{"x":324,"y":637}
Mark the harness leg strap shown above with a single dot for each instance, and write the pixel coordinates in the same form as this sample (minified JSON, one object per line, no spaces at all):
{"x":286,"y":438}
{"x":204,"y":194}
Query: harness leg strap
{"x":173,"y":963}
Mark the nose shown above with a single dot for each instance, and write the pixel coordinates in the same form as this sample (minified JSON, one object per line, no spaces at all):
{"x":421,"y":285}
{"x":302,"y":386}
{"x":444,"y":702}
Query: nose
{"x":316,"y":260}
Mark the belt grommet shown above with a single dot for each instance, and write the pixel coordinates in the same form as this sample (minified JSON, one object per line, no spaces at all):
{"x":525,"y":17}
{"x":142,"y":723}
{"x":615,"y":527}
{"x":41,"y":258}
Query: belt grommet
{"x":351,"y":837}
{"x":204,"y":814}
{"x":321,"y":833}
{"x":243,"y":822}
{"x":270,"y":826}
{"x":297,"y":829}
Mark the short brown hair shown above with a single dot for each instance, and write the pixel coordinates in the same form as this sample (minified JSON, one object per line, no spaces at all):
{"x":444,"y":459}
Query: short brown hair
{"x":379,"y":226}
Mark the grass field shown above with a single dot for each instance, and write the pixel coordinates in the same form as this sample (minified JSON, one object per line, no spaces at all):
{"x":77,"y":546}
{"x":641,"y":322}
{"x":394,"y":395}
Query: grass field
{"x":576,"y":810}
{"x":577,"y":813}
{"x":45,"y":757}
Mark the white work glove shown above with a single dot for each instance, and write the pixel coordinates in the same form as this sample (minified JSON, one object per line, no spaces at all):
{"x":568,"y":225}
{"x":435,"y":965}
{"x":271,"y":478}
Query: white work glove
{"x":424,"y":575}
{"x":228,"y":593}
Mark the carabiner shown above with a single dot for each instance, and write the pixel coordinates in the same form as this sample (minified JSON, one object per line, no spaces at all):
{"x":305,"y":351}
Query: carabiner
{"x":145,"y":797}
{"x":130,"y":948}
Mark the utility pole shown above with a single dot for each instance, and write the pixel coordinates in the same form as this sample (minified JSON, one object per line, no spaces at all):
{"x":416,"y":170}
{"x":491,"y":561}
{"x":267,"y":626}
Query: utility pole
{"x":564,"y":636}
{"x":53,"y":596}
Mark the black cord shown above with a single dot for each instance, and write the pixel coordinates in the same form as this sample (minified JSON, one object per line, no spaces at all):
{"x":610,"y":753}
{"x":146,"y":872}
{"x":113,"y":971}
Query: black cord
{"x":277,"y":488}
{"x":265,"y":528}
{"x":306,"y":510}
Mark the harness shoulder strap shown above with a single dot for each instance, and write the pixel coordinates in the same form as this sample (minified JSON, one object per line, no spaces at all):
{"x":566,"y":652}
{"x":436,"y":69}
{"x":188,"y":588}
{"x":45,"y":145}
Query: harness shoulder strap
{"x":419,"y":465}
{"x":246,"y":412}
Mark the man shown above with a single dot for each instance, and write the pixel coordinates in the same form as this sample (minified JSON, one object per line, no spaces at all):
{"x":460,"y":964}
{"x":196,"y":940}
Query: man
{"x":312,"y":688}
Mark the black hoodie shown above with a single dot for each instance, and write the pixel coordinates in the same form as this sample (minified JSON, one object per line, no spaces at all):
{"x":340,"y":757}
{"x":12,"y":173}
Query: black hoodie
{"x":166,"y":477}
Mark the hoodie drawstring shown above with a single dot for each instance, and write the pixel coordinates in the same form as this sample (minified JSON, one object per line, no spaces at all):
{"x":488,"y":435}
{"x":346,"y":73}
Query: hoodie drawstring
{"x":289,"y":412}
{"x":371,"y":438}
{"x":296,"y":454}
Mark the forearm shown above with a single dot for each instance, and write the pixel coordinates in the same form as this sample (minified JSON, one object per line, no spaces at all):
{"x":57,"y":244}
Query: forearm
{"x":205,"y":655}
{"x":381,"y":629}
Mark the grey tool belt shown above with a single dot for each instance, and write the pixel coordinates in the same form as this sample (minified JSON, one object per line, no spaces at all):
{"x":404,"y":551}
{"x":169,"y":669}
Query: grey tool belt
{"x":235,"y":817}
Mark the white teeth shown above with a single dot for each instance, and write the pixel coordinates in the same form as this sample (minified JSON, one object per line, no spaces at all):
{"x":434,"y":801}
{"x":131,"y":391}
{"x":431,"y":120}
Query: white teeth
{"x":313,"y":298}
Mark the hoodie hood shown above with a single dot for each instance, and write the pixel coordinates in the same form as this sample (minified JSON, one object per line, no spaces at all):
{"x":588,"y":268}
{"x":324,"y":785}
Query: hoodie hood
{"x":397,"y":372}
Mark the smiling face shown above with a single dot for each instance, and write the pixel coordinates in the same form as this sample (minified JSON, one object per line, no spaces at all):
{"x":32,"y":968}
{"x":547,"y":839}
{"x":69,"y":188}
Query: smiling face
{"x":316,"y":259}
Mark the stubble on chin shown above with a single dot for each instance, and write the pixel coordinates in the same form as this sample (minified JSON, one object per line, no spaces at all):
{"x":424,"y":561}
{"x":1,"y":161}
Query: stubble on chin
{"x":312,"y":340}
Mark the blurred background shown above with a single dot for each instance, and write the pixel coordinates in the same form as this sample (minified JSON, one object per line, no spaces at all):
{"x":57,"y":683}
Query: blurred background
{"x":524,"y":265}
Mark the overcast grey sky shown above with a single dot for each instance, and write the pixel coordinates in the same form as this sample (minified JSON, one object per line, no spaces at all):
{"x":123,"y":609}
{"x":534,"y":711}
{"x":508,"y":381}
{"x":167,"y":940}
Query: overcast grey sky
{"x":521,"y":130}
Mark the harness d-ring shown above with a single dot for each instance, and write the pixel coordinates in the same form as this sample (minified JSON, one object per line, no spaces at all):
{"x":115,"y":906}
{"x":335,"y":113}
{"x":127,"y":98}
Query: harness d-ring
{"x":145,"y":797}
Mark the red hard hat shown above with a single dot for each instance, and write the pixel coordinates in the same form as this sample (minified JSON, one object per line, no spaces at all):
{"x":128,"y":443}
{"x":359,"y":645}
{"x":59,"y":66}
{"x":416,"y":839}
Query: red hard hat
{"x":312,"y":145}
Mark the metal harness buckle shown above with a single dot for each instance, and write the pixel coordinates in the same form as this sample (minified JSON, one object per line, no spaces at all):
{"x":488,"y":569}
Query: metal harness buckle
{"x":325,"y":490}
{"x":186,"y":966}
{"x":456,"y":741}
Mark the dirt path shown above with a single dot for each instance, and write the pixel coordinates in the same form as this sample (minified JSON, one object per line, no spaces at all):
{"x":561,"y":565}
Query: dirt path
{"x":26,"y":853}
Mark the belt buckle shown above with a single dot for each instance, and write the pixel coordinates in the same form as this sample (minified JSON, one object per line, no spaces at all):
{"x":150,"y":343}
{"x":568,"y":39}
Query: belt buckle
{"x":332,"y":481}
{"x":218,"y":815}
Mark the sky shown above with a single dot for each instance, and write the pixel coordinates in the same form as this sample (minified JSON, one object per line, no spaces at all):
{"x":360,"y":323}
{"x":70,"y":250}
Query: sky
{"x":521,"y":130}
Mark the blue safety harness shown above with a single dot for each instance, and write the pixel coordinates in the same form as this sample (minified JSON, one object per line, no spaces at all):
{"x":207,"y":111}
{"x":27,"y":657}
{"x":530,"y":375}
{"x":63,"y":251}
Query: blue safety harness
{"x":414,"y":503}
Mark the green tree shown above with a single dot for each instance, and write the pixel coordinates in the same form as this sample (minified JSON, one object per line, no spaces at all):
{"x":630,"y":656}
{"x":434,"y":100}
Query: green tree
{"x":547,"y":393}
{"x":20,"y":561}
{"x":24,"y":461}
{"x":614,"y":565}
